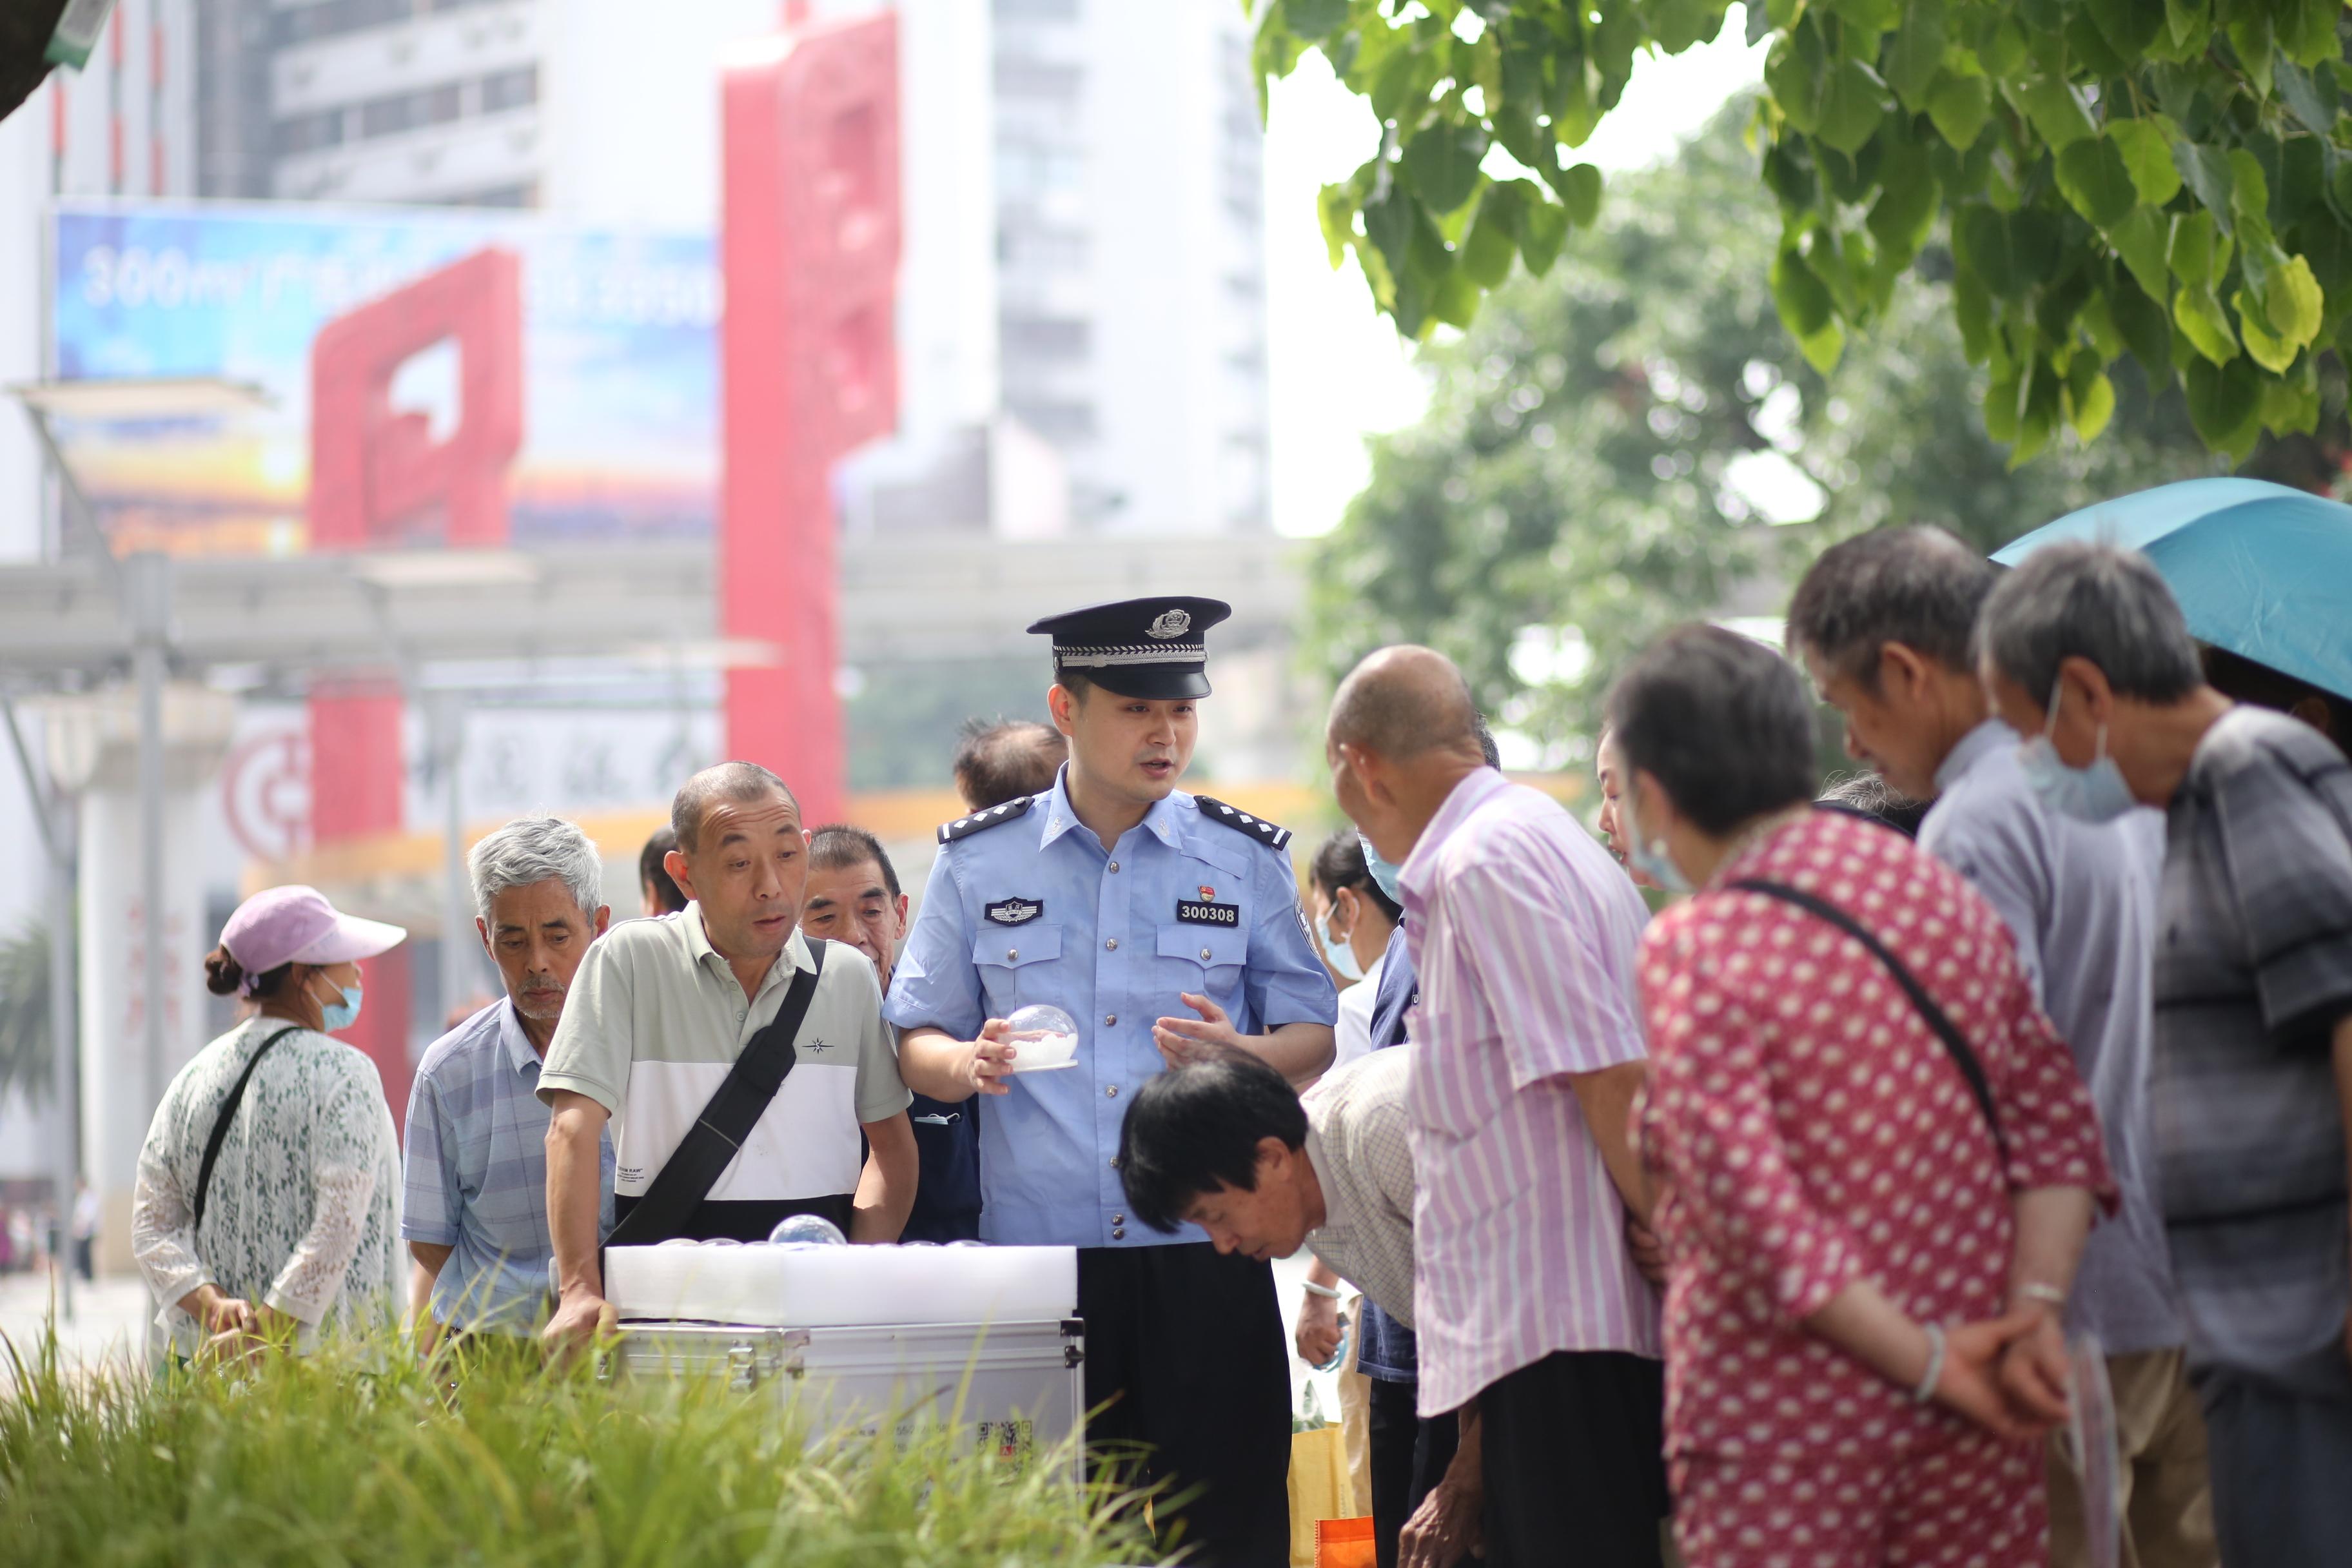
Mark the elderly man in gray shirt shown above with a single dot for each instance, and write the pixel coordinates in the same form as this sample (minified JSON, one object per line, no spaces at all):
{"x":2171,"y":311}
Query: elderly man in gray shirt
{"x":1884,"y":623}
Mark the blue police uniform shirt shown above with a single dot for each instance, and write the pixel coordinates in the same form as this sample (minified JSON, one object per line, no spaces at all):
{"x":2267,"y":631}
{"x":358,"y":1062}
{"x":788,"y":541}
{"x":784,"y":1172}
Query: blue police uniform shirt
{"x":1033,"y":910}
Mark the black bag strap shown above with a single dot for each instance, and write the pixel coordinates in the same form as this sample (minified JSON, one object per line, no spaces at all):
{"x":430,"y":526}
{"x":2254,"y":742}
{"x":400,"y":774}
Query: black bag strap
{"x":228,"y":1114}
{"x":710,"y":1145}
{"x":1955,"y":1044}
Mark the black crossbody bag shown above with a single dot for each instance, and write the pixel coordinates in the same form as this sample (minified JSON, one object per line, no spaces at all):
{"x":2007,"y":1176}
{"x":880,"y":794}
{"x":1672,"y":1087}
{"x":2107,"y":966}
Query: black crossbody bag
{"x":228,"y":1114}
{"x":1956,"y":1044}
{"x":695,"y":1166}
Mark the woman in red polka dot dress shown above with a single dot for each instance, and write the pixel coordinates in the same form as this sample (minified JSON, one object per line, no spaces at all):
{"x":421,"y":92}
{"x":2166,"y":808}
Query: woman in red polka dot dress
{"x":1867,"y":1261}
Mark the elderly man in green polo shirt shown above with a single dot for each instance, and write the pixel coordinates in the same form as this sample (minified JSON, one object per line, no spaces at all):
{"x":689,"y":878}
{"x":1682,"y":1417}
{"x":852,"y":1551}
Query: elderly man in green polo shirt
{"x":659,"y":1014}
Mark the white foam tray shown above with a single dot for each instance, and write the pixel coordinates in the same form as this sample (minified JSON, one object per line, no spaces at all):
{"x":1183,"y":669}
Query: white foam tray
{"x":825,"y":1287}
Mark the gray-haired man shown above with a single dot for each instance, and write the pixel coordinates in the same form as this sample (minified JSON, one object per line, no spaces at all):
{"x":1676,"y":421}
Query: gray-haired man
{"x":2084,"y":648}
{"x":1884,"y":623}
{"x":474,"y":1212}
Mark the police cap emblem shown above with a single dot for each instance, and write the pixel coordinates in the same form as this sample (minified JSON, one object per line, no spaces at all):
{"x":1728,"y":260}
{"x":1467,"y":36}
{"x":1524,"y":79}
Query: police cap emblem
{"x":1172,"y":623}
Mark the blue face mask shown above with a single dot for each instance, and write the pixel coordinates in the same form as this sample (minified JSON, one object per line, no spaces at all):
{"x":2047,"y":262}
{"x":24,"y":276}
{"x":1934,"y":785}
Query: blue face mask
{"x":1652,"y":860}
{"x":1338,"y":955}
{"x":2094,"y":793}
{"x":343,"y":1014}
{"x":1383,"y":872}
{"x":1648,"y":856}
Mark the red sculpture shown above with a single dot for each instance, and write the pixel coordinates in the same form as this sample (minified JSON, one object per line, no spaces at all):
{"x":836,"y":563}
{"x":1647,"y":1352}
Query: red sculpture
{"x":808,"y":369}
{"x":379,"y":480}
{"x":376,"y":477}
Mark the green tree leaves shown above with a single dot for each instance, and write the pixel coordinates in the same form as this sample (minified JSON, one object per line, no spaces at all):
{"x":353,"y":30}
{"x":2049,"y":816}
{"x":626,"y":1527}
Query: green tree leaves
{"x":1582,"y":478}
{"x":2168,"y":181}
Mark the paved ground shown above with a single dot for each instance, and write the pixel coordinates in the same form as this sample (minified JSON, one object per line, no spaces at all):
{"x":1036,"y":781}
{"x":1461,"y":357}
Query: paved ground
{"x":108,"y":1320}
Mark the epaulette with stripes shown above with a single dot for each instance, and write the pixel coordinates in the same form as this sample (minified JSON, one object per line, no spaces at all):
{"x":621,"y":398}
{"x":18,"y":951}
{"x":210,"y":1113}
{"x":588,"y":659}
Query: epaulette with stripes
{"x":979,"y":821}
{"x":1240,"y":820}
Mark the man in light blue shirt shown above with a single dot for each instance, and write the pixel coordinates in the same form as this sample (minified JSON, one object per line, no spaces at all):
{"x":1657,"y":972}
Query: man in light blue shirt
{"x":474,"y":1209}
{"x":1885,"y":622}
{"x":1159,"y":921}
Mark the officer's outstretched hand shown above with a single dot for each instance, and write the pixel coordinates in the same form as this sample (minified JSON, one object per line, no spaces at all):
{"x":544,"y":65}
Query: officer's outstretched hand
{"x":1182,"y":1040}
{"x":991,"y":1057}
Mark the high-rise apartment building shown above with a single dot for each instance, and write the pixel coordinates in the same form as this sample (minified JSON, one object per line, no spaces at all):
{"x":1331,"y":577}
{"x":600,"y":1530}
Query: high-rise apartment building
{"x":1130,"y":257}
{"x":375,"y":100}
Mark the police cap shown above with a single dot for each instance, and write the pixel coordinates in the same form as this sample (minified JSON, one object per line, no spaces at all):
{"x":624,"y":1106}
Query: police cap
{"x":1138,"y":647}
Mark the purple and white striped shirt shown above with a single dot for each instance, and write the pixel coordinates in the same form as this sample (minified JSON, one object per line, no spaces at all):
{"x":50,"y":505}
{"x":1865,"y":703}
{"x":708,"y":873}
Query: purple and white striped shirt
{"x":1524,"y":931}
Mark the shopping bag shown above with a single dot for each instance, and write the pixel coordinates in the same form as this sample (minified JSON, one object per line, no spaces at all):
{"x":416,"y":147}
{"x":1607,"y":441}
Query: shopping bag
{"x":1320,"y":1488}
{"x":1345,"y":1543}
{"x":2090,"y":1438}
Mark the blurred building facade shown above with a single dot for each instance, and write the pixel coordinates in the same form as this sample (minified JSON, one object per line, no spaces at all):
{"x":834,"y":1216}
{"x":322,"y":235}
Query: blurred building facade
{"x":1092,"y":269}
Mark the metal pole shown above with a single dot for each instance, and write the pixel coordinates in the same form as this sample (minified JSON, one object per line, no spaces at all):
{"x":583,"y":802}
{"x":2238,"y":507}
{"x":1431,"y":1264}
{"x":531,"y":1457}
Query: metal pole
{"x":65,"y":1153}
{"x":448,"y":720}
{"x":147,"y":592}
{"x":66,"y":1075}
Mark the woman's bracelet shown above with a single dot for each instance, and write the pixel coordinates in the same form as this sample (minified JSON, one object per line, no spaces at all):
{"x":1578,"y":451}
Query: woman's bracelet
{"x":2035,"y":1290}
{"x":1935,"y":1373}
{"x":1325,"y":1291}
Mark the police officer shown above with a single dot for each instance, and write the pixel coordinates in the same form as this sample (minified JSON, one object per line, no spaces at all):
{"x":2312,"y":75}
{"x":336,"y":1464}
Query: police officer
{"x":1161,"y":921}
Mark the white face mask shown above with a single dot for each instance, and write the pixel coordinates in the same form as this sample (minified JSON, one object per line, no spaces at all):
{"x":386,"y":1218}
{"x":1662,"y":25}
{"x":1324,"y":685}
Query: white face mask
{"x":1337,"y":952}
{"x":2094,"y":793}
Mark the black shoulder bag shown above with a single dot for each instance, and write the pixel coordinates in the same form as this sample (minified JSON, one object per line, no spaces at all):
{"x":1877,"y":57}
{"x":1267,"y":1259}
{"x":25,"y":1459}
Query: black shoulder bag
{"x":228,"y":1114}
{"x":1954,"y":1043}
{"x":695,"y":1166}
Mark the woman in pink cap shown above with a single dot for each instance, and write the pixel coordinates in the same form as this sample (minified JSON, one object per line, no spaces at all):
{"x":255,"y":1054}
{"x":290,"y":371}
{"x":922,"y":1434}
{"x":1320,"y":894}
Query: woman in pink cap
{"x":265,"y":1208}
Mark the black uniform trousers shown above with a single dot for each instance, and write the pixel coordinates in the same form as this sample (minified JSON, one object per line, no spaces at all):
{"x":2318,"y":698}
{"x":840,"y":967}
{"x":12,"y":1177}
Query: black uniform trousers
{"x":1408,"y":1456}
{"x":1189,"y":1377}
{"x":1573,"y":1449}
{"x":947,"y":1182}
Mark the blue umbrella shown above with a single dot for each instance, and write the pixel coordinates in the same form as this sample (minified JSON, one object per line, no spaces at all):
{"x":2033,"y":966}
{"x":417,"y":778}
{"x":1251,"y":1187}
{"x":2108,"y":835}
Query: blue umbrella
{"x":2261,"y":569}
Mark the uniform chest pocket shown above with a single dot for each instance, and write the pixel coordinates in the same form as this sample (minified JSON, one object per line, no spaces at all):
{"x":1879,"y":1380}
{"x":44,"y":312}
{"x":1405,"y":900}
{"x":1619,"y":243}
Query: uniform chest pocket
{"x":1015,"y":947}
{"x":1205,"y":947}
{"x":1016,"y":966}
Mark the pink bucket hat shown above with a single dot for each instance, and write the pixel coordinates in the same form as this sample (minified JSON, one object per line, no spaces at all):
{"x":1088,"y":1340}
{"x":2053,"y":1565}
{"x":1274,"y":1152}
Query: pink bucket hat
{"x":296,"y":924}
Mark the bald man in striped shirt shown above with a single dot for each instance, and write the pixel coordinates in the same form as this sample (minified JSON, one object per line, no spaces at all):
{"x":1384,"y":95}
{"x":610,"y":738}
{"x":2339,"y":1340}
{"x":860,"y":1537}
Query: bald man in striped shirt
{"x":1526,"y":1297}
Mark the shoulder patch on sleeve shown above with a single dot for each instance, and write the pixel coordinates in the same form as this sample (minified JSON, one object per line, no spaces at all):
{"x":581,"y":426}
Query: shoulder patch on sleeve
{"x":1240,"y":820}
{"x":979,"y":821}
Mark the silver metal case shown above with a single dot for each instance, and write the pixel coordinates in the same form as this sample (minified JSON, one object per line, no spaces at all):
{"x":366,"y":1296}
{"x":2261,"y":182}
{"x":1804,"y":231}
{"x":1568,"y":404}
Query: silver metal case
{"x":1015,"y":1389}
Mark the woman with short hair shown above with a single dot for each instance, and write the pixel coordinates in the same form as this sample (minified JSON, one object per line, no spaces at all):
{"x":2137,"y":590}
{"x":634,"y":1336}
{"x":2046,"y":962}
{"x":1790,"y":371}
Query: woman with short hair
{"x":266,"y":1209}
{"x":1873,"y":1200}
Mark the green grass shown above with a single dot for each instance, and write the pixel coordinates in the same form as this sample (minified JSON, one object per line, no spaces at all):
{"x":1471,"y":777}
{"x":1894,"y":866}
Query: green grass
{"x":356,"y":1456}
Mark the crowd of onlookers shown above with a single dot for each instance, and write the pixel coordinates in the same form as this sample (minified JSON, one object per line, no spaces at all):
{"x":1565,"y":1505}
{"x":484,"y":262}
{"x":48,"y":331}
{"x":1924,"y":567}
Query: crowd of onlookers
{"x":1829,"y":1215}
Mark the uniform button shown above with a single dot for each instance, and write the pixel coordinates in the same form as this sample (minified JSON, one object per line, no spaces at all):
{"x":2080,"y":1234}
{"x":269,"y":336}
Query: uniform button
{"x":1204,"y":955}
{"x":1112,"y":1093}
{"x":1118,"y":1233}
{"x":1012,"y":955}
{"x":1111,"y":943}
{"x":1114,"y":1162}
{"x":1109,"y":1018}
{"x":1118,"y":1219}
{"x":1114,"y":866}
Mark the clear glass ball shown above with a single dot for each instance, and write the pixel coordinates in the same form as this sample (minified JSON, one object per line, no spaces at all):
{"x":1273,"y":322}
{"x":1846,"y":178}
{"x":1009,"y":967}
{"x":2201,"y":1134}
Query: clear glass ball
{"x":1042,"y":1035}
{"x":806,"y":1230}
